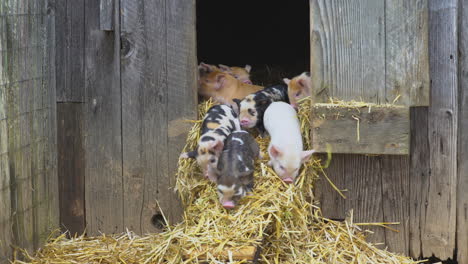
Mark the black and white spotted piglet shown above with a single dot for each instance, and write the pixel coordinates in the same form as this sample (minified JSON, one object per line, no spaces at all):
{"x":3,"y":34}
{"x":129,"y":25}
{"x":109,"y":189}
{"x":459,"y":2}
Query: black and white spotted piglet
{"x":236,"y":168}
{"x":218,"y":123}
{"x":253,"y":106}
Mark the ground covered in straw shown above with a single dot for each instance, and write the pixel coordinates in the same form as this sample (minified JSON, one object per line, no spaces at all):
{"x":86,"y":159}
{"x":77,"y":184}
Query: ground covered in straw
{"x":280,"y":219}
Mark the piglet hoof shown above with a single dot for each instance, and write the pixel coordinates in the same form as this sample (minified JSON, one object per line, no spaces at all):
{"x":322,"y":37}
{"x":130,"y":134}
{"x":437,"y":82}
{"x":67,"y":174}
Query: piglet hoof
{"x":184,"y":156}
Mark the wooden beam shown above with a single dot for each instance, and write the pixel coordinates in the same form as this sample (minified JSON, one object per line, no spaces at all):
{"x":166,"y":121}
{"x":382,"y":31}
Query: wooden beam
{"x":364,"y":130}
{"x":462,"y":184}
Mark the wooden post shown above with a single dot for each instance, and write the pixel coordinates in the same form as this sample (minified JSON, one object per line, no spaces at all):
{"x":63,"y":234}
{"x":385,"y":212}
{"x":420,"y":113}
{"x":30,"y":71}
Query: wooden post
{"x":462,"y":183}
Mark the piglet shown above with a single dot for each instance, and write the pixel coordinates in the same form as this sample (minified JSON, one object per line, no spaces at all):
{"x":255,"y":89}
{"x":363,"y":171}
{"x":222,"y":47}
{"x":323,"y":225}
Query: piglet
{"x":299,"y":87}
{"x":236,"y":168}
{"x":285,"y":148}
{"x":223,"y":88}
{"x":241,"y":74}
{"x":205,"y":68}
{"x":218,"y":123}
{"x":253,"y":106}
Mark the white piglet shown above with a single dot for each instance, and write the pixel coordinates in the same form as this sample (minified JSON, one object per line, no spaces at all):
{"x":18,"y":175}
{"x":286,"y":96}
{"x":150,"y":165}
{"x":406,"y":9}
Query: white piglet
{"x":285,"y":149}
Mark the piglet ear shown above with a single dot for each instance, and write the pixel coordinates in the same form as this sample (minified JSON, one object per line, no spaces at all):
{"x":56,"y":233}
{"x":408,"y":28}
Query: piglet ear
{"x":248,"y":68}
{"x":301,"y":83}
{"x":189,"y":155}
{"x":224,"y":68}
{"x":217,"y":146}
{"x":286,"y":81}
{"x":305,"y":155}
{"x":219,"y":78}
{"x":275,"y":151}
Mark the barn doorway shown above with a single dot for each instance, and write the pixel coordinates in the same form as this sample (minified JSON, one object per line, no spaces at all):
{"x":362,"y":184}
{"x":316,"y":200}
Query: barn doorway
{"x":271,"y":36}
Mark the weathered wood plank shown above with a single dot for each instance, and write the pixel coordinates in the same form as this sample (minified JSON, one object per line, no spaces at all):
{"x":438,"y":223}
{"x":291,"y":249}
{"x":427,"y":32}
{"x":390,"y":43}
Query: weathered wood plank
{"x":462,"y":184}
{"x":419,"y":177}
{"x":363,"y":176}
{"x":70,"y":43}
{"x":348,"y":50}
{"x":103,"y":142}
{"x":71,"y":166}
{"x":395,"y":197}
{"x":106,"y":15}
{"x":406,"y":52}
{"x":144,"y":114}
{"x":6,"y":235}
{"x":364,"y":130}
{"x":438,"y":233}
{"x":182,"y":80}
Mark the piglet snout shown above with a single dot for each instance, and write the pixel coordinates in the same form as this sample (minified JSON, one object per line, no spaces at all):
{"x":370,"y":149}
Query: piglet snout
{"x":228,"y":204}
{"x":288,"y":180}
{"x":244,"y":122}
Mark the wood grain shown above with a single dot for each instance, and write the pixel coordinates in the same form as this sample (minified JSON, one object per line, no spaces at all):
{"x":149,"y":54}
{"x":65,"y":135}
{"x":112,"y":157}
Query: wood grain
{"x":406,"y":52}
{"x":106,"y":15}
{"x":182,"y":80}
{"x":6,"y":235}
{"x":438,"y":233}
{"x":419,"y":177}
{"x":375,"y":130}
{"x":395,"y":197}
{"x":103,"y":142}
{"x":71,"y":167}
{"x":348,"y":50}
{"x":144,"y":113}
{"x":70,"y":53}
{"x":462,"y":183}
{"x":27,"y":124}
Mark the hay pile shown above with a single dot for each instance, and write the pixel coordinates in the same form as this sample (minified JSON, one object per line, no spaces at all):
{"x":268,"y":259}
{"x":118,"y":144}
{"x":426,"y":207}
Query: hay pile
{"x":279,"y":218}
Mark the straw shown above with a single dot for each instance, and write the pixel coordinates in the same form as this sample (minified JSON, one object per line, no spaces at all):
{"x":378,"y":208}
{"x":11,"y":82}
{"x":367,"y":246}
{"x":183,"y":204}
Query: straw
{"x":280,"y":219}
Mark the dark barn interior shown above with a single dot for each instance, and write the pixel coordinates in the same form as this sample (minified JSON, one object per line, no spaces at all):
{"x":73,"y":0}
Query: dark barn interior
{"x":271,"y":36}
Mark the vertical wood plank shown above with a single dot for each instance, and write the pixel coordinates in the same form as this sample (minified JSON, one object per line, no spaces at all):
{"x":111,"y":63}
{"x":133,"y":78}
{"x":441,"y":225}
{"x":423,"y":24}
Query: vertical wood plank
{"x":103,"y":142}
{"x":395,"y":197}
{"x":71,"y":167}
{"x":106,"y":15}
{"x":144,"y":113}
{"x":438,"y":231}
{"x":6,"y":234}
{"x":462,"y":184}
{"x":182,"y":83}
{"x":406,"y":52}
{"x":5,"y":195}
{"x":348,"y":50}
{"x":419,"y":177}
{"x":70,"y":43}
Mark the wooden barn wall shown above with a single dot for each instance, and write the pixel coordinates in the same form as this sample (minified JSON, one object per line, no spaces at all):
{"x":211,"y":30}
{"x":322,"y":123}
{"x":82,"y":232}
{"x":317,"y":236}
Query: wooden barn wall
{"x":28,"y":157}
{"x":425,"y":192}
{"x":127,"y":84}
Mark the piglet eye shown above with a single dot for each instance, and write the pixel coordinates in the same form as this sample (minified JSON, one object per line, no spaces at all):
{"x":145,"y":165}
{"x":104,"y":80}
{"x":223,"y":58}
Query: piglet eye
{"x":281,"y":167}
{"x":251,"y":111}
{"x":212,"y":160}
{"x":298,"y":93}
